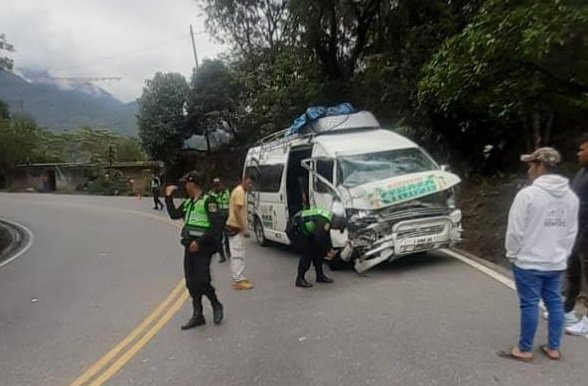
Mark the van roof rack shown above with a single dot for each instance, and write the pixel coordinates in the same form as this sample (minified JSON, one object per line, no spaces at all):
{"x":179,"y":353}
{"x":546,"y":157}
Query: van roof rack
{"x":280,"y":138}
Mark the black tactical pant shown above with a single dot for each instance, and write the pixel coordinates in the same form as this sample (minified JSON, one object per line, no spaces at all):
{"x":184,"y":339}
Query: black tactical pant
{"x":223,"y":241}
{"x":198,"y":279}
{"x":309,"y":253}
{"x":577,"y":271}
{"x":156,"y":201}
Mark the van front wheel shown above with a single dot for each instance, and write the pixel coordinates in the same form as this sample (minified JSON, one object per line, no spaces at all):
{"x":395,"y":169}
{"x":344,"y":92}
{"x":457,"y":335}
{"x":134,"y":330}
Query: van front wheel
{"x":259,"y":233}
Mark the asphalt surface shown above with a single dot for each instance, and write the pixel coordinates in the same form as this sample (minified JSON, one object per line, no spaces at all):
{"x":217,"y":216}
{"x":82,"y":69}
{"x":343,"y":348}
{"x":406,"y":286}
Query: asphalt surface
{"x":96,"y":270}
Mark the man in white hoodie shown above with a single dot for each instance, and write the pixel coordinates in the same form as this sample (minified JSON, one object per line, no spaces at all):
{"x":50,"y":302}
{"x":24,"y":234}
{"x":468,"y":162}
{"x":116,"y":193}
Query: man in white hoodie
{"x":542,"y":226}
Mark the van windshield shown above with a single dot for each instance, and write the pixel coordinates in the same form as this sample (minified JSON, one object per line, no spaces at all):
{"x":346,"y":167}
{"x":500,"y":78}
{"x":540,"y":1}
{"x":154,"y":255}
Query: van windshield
{"x":364,"y":168}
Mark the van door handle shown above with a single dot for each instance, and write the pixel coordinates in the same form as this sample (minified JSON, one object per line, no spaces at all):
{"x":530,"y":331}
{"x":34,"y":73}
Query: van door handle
{"x":281,"y":197}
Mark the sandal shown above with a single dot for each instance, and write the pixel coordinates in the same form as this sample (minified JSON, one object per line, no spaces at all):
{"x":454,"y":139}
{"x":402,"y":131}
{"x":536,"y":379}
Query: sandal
{"x":508,"y":354}
{"x":545,"y":351}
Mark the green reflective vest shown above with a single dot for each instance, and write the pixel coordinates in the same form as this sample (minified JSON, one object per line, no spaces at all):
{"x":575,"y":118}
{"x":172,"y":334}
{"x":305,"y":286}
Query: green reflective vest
{"x":196,"y":214}
{"x":308,"y":216}
{"x":222,"y":199}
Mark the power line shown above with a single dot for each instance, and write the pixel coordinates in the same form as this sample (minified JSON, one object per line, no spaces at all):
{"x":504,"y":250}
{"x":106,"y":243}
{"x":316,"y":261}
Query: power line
{"x":83,"y":78}
{"x":144,"y":48}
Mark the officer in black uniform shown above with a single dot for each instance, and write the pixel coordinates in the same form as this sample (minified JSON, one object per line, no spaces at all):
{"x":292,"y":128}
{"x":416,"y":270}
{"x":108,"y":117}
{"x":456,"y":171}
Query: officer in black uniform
{"x":222,"y":197}
{"x":199,"y":235}
{"x":309,"y":231}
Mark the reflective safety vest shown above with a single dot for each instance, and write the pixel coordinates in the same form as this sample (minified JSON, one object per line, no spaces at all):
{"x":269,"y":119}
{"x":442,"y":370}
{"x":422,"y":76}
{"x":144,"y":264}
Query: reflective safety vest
{"x":155,"y":183}
{"x":196,"y":219}
{"x":309,"y":215}
{"x":222,"y":199}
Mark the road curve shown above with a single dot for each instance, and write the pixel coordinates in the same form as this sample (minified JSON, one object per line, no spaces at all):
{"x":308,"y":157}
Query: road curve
{"x":98,"y":269}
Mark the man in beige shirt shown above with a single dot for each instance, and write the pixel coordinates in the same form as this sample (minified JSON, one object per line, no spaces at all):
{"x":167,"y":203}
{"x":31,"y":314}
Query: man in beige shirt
{"x":237,"y":230}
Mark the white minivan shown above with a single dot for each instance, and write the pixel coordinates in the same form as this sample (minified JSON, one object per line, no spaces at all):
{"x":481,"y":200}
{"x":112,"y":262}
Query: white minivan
{"x":397,"y":199}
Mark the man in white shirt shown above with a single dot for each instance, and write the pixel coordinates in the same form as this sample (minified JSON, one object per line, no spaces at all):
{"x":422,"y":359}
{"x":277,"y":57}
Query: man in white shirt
{"x":542,"y":227}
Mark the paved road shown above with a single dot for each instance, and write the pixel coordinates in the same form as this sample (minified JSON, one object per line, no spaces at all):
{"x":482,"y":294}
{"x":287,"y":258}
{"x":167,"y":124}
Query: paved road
{"x":99,"y":266}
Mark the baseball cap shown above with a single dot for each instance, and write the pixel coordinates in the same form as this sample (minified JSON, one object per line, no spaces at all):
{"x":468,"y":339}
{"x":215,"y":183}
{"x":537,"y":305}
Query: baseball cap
{"x":192,"y":176}
{"x":547,"y":155}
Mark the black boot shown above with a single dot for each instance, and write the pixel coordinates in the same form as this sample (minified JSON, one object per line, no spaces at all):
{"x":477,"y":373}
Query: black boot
{"x":324,"y":279}
{"x":218,"y":311}
{"x":320,"y":275}
{"x":197,"y":318}
{"x":195,"y":321}
{"x":302,"y":283}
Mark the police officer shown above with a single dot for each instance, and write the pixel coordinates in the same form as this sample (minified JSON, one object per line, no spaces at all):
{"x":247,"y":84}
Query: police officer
{"x":199,"y":235}
{"x":222,"y":196}
{"x":309,"y":231}
{"x":156,"y":191}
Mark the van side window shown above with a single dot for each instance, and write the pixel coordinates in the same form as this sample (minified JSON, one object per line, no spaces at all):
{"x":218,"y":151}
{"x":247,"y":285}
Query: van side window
{"x":325,"y":169}
{"x":270,"y":179}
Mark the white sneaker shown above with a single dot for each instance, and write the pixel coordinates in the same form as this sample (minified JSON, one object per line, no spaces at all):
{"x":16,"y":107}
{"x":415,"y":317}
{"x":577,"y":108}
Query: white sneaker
{"x":570,"y":318}
{"x":580,"y":328}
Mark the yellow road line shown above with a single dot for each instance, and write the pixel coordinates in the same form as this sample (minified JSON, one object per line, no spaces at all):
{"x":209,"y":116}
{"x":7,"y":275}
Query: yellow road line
{"x":105,"y":360}
{"x":134,"y":349}
{"x":128,"y":352}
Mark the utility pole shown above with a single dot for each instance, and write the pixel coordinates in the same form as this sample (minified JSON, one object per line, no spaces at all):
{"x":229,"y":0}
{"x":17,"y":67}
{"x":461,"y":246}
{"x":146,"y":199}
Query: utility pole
{"x":194,"y":47}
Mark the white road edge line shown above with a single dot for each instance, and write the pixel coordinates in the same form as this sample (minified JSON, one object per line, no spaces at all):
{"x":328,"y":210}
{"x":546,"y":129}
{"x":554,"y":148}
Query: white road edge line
{"x":23,"y":250}
{"x":482,"y":268}
{"x":488,"y":271}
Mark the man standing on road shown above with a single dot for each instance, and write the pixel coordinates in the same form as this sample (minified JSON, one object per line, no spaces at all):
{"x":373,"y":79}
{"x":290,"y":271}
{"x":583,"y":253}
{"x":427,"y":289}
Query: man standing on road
{"x":156,"y":191}
{"x":237,"y":230}
{"x":542,"y":226}
{"x":309,"y":230}
{"x":201,"y":226}
{"x":222,"y":196}
{"x":577,"y":272}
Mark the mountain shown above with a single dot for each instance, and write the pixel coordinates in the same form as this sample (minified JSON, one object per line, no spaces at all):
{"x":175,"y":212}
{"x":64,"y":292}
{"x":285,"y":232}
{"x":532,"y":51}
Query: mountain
{"x":65,"y":105}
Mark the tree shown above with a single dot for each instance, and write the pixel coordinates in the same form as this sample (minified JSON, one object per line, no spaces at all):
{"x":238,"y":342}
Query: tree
{"x":5,"y":62}
{"x":213,"y":101}
{"x":522,"y":61}
{"x":4,"y":112}
{"x":19,"y":139}
{"x":162,"y":116}
{"x":247,"y":25}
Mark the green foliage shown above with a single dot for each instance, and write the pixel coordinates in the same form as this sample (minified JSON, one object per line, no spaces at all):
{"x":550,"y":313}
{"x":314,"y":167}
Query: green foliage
{"x":19,"y":140}
{"x":5,"y":62}
{"x":214,"y":98}
{"x":161,"y":116}
{"x":457,"y":74}
{"x":4,"y":113}
{"x":523,"y":60}
{"x":22,"y":141}
{"x":247,"y":25}
{"x":110,"y":183}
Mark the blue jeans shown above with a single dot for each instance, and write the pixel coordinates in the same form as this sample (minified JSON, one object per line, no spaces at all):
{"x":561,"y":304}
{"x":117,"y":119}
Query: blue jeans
{"x":533,"y":285}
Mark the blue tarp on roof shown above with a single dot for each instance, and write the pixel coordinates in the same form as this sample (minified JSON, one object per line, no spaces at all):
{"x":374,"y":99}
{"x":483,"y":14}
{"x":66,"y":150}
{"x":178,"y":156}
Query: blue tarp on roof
{"x":315,"y":112}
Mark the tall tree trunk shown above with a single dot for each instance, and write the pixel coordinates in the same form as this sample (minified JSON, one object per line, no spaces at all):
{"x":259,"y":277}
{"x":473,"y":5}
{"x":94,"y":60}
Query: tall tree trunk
{"x":527,"y":133}
{"x":549,"y":128}
{"x":206,"y":135}
{"x":536,"y":122}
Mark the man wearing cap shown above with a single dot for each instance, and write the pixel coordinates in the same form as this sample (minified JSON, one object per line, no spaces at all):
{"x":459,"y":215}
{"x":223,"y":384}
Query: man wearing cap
{"x":221,"y":195}
{"x":199,"y":235}
{"x":542,"y":226}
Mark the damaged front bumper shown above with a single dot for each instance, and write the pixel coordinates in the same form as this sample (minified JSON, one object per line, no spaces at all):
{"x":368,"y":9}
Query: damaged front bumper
{"x":372,"y":246}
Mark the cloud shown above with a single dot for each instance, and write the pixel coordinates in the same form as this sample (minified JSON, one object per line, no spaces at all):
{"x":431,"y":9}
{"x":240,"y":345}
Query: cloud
{"x":131,"y":39}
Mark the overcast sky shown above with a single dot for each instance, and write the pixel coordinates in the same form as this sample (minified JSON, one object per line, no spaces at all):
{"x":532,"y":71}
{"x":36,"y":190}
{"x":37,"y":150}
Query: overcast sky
{"x":131,"y":39}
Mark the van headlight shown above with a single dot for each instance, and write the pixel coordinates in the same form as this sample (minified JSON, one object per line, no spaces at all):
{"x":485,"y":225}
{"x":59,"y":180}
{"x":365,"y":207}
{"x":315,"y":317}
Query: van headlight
{"x":451,"y":202}
{"x":455,"y":216}
{"x":355,"y":215}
